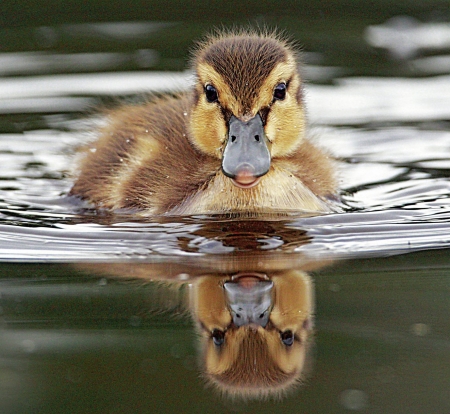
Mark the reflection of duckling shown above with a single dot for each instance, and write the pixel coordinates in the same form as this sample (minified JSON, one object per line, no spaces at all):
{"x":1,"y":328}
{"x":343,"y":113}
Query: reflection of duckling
{"x":236,"y":142}
{"x":254,"y":329}
{"x":255,"y":346}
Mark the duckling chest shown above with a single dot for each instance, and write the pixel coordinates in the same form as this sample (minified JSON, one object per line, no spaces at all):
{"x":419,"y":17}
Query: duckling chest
{"x":278,"y":190}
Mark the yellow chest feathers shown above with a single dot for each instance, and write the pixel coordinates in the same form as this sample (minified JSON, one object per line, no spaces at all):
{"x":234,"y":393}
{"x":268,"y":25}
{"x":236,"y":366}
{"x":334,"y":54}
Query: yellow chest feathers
{"x":278,"y":190}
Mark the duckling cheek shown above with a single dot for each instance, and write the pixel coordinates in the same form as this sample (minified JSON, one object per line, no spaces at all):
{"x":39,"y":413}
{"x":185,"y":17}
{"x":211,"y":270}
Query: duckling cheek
{"x":286,"y":128}
{"x":208,"y":129}
{"x":246,"y":156}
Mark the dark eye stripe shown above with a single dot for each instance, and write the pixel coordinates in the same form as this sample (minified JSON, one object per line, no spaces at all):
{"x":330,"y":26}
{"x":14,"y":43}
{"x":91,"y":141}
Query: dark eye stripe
{"x":226,"y":113}
{"x":263,"y":113}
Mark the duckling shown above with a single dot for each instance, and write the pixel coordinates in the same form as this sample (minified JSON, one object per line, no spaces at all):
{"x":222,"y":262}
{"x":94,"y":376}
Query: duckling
{"x":235,"y":142}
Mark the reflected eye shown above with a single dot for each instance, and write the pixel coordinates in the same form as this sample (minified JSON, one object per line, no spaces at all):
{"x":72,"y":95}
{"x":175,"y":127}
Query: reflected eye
{"x":218,"y":337}
{"x":287,"y":337}
{"x":279,"y":92}
{"x":211,"y":93}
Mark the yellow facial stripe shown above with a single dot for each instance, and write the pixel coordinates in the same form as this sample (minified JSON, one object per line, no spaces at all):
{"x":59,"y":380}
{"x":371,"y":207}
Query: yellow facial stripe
{"x":281,"y":73}
{"x":208,"y":75}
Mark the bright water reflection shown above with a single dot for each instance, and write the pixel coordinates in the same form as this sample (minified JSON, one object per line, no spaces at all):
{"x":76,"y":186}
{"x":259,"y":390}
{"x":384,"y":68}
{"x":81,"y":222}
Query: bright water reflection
{"x":396,"y":167}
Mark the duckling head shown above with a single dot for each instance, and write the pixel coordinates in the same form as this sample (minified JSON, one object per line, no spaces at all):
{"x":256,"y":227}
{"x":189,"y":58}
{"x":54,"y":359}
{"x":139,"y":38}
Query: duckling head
{"x":247,"y":104}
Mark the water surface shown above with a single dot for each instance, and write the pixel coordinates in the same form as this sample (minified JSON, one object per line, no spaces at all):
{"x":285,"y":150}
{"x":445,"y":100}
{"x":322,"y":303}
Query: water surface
{"x":96,"y":309}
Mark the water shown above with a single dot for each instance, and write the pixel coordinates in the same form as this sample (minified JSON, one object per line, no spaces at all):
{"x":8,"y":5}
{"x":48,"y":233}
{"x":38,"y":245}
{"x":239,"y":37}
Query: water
{"x":103,"y":312}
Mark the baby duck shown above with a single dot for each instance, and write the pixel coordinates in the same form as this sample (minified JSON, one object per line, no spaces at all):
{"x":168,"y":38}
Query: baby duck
{"x":234,"y":143}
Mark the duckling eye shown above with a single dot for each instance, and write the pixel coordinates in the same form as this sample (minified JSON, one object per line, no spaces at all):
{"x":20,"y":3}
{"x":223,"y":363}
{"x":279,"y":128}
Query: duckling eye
{"x":287,"y":337}
{"x":279,"y":92}
{"x":218,"y":337}
{"x":211,"y":93}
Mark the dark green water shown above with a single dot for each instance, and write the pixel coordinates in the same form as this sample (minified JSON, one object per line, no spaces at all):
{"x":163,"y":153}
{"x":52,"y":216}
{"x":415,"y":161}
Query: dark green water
{"x":74,"y":342}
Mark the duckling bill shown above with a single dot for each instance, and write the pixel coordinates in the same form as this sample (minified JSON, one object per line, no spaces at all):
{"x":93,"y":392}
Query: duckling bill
{"x":246,"y":156}
{"x":234,"y":143}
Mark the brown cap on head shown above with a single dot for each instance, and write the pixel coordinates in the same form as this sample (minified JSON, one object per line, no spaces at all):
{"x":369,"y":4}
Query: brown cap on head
{"x":243,"y":61}
{"x":253,"y":366}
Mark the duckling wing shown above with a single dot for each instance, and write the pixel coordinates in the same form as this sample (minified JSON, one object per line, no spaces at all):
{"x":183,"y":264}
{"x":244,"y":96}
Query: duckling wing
{"x":143,"y":159}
